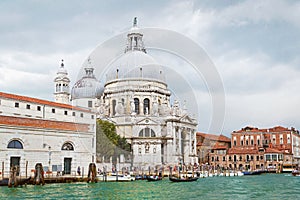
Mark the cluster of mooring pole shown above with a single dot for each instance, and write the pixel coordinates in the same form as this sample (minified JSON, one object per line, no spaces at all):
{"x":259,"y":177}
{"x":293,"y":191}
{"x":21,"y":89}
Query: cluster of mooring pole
{"x":12,"y":180}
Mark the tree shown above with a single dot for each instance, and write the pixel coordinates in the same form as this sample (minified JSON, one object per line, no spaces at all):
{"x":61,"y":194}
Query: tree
{"x":108,"y":142}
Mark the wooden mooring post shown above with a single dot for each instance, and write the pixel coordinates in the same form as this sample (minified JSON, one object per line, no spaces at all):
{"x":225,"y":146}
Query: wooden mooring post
{"x":2,"y":170}
{"x":26,"y":166}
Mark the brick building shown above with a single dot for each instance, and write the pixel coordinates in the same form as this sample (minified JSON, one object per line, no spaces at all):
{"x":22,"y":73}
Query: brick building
{"x":267,"y":149}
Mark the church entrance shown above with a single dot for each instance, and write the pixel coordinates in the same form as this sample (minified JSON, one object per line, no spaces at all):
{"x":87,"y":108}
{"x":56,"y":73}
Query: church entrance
{"x":67,"y":165}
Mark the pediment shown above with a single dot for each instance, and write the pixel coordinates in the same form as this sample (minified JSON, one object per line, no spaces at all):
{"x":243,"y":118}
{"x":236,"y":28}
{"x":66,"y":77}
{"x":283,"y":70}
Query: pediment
{"x":186,"y":119}
{"x":147,"y":121}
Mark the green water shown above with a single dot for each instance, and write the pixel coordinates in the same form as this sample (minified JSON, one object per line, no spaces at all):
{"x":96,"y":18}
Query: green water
{"x":265,"y":186}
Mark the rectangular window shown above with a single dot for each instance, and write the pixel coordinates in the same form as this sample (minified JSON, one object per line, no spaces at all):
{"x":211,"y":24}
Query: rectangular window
{"x":27,"y":106}
{"x":90,"y":104}
{"x":38,"y":108}
{"x":234,"y":143}
{"x":74,"y":114}
{"x":17,"y":105}
{"x":81,"y":114}
{"x":268,"y":157}
{"x":53,"y":110}
{"x":66,"y":112}
{"x":92,"y":116}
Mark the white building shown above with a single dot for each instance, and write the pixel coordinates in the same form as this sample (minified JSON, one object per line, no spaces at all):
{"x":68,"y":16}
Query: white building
{"x":136,"y":99}
{"x":58,"y":135}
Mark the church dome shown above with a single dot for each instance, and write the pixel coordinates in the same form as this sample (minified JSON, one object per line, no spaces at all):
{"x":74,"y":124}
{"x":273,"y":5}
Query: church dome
{"x":87,"y":87}
{"x":135,"y":63}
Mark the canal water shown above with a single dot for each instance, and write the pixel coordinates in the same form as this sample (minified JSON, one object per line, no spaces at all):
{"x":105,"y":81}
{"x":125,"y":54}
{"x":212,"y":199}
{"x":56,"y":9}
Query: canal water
{"x":265,"y":186}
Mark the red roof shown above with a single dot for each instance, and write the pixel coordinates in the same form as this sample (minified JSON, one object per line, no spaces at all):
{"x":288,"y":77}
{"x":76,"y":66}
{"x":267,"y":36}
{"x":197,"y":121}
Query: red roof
{"x":272,"y":150}
{"x":254,"y":129}
{"x":242,"y":151}
{"x":217,"y":147}
{"x":40,"y":123}
{"x":220,"y":138}
{"x":40,"y":101}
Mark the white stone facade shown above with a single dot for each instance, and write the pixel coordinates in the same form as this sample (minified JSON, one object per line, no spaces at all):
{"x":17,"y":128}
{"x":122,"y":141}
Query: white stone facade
{"x":59,"y":136}
{"x":137,"y":100}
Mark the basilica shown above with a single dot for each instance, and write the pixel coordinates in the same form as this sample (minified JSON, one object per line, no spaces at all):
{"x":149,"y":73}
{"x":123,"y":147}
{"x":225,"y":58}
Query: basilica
{"x":135,"y":97}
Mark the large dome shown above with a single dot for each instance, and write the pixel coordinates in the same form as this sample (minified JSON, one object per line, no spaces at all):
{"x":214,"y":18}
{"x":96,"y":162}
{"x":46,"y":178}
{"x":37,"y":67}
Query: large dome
{"x":135,"y":64}
{"x":87,"y":87}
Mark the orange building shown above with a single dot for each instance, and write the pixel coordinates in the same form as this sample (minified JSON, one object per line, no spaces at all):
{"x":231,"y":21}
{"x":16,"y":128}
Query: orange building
{"x":270,"y":149}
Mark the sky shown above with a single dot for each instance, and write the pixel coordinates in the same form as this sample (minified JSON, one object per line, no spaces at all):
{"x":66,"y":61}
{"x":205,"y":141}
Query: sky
{"x":253,"y":44}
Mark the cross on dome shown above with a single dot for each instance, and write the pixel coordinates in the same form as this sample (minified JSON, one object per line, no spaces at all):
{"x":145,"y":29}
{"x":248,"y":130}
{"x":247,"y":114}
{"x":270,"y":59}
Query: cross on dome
{"x":135,"y":22}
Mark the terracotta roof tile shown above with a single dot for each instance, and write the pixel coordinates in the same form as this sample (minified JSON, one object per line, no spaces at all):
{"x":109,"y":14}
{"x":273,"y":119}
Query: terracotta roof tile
{"x":221,"y":138}
{"x":272,"y":150}
{"x":242,"y":151}
{"x":40,"y":123}
{"x":254,"y":129}
{"x":217,"y":147}
{"x":40,"y":101}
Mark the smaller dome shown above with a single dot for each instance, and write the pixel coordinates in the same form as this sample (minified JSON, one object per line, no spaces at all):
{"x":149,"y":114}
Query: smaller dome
{"x":87,"y":87}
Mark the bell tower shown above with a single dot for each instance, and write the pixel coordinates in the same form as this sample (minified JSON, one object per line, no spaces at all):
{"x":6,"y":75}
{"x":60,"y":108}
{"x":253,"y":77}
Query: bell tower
{"x":61,"y":82}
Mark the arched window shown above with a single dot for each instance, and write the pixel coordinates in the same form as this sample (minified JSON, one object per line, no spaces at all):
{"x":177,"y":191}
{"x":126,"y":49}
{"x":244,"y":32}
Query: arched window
{"x":67,"y":147}
{"x":146,"y":106}
{"x":136,"y":105}
{"x":147,"y":132}
{"x":141,"y":133}
{"x":15,"y":144}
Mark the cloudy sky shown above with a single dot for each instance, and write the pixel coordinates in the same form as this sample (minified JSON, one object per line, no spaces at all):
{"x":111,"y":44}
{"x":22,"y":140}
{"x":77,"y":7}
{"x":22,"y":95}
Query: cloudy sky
{"x":254,"y":45}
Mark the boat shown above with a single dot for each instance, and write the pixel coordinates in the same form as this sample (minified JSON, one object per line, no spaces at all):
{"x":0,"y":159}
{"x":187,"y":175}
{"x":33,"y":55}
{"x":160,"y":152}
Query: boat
{"x":20,"y":181}
{"x":187,"y":179}
{"x":4,"y":182}
{"x":140,"y":177}
{"x":115,"y":177}
{"x":252,"y":172}
{"x":296,"y":172}
{"x":154,"y":178}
